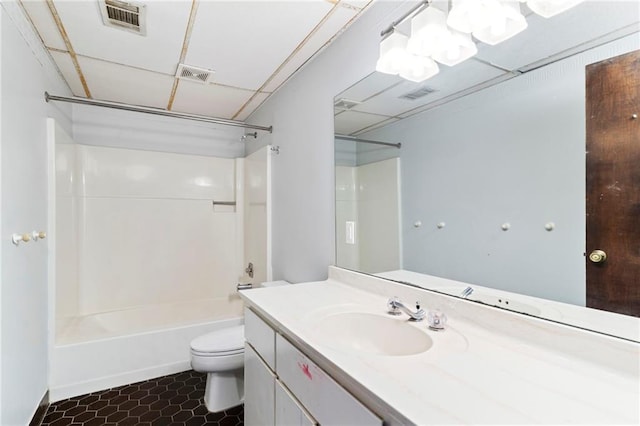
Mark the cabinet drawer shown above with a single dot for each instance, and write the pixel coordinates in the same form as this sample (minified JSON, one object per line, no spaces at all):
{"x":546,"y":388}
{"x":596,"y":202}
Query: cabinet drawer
{"x":259,"y":388}
{"x":261,"y":337}
{"x":327,"y":401}
{"x":288,"y":410}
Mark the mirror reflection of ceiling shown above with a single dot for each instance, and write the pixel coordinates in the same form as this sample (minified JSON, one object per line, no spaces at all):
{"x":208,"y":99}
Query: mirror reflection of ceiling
{"x":382,"y":99}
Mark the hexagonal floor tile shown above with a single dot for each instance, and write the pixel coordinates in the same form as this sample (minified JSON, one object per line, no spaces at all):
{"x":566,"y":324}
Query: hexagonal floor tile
{"x":174,"y":399}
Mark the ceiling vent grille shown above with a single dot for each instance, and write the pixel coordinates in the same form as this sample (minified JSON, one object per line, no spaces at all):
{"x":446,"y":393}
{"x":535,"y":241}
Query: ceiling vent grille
{"x":124,"y":15}
{"x":199,"y":75}
{"x":345,"y":104}
{"x":417,"y":94}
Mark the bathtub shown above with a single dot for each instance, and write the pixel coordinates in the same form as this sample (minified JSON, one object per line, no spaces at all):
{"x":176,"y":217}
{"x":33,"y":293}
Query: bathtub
{"x":104,"y":350}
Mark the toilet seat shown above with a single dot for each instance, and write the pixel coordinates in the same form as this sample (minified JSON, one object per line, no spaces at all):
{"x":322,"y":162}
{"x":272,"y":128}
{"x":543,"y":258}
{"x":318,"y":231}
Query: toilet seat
{"x":218,"y":353}
{"x":224,"y":342}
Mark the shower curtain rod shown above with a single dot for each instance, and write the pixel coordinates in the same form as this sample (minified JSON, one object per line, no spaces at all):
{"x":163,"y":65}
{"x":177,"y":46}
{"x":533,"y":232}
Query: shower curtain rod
{"x":355,"y":139}
{"x":156,"y":111}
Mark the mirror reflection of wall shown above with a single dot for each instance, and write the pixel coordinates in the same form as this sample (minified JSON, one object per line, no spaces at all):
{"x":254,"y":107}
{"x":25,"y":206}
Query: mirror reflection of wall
{"x":367,"y":206}
{"x":493,"y":151}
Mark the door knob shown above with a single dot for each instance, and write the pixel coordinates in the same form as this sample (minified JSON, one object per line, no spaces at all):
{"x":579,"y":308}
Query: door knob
{"x":597,"y":256}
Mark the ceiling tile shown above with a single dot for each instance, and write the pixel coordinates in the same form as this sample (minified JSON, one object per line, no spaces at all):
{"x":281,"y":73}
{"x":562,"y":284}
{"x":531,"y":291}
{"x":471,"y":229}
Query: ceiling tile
{"x":546,"y":37}
{"x":252,"y":105}
{"x":209,"y":99}
{"x":42,"y":19}
{"x":68,"y":70}
{"x":118,"y":83}
{"x":375,"y":126}
{"x":433,"y":103}
{"x":450,"y":80}
{"x":371,"y":85}
{"x":332,"y":26}
{"x":158,"y":51}
{"x":359,"y":4}
{"x":245,"y":42}
{"x":352,"y":121}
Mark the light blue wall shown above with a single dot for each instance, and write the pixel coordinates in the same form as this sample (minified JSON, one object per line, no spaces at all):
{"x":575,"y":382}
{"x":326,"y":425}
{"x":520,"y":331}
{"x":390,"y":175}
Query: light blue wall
{"x":512,"y":153}
{"x":301,"y":113}
{"x":25,"y":75}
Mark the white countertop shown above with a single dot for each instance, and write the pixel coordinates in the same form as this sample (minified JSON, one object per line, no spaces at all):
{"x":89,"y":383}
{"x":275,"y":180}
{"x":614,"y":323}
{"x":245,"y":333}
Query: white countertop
{"x":611,"y":323}
{"x":475,"y":373}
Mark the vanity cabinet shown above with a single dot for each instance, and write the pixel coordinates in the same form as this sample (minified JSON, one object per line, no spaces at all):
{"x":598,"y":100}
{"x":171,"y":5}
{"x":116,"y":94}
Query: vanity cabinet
{"x":288,"y":410}
{"x":284,"y":387}
{"x":259,"y":389}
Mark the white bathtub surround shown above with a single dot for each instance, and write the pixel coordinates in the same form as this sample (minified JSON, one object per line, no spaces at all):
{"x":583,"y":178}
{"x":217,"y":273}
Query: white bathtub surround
{"x":368,"y":196}
{"x":141,"y":319}
{"x":147,"y":232}
{"x":84,"y":367}
{"x":145,"y":261}
{"x":513,"y":369}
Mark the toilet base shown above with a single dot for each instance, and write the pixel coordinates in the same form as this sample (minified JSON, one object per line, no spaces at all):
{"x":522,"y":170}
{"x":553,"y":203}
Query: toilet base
{"x":224,"y":390}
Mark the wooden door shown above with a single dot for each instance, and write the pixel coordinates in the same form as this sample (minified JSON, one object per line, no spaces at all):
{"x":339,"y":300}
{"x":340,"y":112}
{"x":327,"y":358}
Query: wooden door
{"x":613,"y":183}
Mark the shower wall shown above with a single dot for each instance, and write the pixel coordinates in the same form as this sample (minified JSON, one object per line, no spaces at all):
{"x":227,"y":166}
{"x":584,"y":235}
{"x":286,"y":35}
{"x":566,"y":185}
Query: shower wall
{"x":138,"y":228}
{"x":369,"y":196}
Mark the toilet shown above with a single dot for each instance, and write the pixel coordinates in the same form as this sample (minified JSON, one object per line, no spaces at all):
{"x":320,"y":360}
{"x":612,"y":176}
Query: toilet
{"x":220,"y":354}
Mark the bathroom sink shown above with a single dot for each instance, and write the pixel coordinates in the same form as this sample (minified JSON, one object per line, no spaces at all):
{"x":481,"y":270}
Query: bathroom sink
{"x":372,"y":334}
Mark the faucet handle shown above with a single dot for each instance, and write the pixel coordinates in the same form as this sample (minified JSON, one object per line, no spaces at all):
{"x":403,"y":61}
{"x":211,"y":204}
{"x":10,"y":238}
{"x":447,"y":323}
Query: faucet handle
{"x":392,"y":306}
{"x":436,"y":320}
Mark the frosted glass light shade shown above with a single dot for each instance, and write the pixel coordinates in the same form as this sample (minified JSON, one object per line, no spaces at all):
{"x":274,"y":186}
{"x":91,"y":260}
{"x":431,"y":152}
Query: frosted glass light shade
{"x":393,"y":53}
{"x":459,"y":48}
{"x":504,"y":24}
{"x":549,"y":8}
{"x":429,"y":32}
{"x":419,"y":68}
{"x":472,"y":15}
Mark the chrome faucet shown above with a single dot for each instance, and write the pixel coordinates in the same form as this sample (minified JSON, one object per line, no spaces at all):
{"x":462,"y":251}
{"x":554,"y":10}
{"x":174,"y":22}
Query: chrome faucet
{"x":394,"y":306}
{"x":466,"y":292}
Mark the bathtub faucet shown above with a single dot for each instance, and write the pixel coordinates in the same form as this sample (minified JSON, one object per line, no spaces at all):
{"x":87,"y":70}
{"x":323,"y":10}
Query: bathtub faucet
{"x":394,"y":306}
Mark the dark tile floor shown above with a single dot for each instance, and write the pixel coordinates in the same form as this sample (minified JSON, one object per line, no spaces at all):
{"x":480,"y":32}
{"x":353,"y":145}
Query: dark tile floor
{"x":168,"y":400}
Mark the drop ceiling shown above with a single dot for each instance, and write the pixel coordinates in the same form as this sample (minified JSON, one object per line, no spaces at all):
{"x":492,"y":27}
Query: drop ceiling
{"x":253,"y":47}
{"x":378,"y":98}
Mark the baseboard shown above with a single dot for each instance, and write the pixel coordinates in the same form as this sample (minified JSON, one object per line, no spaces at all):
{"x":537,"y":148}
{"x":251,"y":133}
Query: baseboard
{"x":103,"y":383}
{"x":41,"y":411}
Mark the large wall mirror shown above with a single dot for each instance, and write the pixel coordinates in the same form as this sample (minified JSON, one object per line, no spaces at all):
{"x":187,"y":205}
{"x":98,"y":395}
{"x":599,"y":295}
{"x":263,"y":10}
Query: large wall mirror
{"x":477,"y":177}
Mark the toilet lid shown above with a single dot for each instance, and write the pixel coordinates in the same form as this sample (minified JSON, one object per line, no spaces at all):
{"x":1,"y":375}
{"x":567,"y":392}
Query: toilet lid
{"x":226,"y":340}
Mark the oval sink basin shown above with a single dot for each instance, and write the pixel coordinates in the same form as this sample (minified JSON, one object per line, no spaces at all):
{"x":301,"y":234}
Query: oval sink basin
{"x":372,"y":334}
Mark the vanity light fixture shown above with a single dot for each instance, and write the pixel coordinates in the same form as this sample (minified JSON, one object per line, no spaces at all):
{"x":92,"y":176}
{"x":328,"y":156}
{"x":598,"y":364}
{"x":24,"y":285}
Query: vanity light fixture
{"x":429,"y":32}
{"x":472,"y":15}
{"x":396,"y":59}
{"x":393,"y":52}
{"x":447,"y":39}
{"x":504,"y":24}
{"x":459,"y":48}
{"x":430,"y":36}
{"x":549,"y":8}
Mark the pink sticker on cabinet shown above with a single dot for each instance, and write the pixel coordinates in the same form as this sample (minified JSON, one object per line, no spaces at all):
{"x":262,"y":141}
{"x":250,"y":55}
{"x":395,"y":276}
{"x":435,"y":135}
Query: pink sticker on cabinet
{"x":305,"y":370}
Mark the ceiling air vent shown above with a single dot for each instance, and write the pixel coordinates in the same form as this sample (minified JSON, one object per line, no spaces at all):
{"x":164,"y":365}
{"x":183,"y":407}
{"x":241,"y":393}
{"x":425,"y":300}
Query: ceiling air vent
{"x":416,"y":94}
{"x":199,"y":75}
{"x":345,"y":104}
{"x":124,"y":15}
